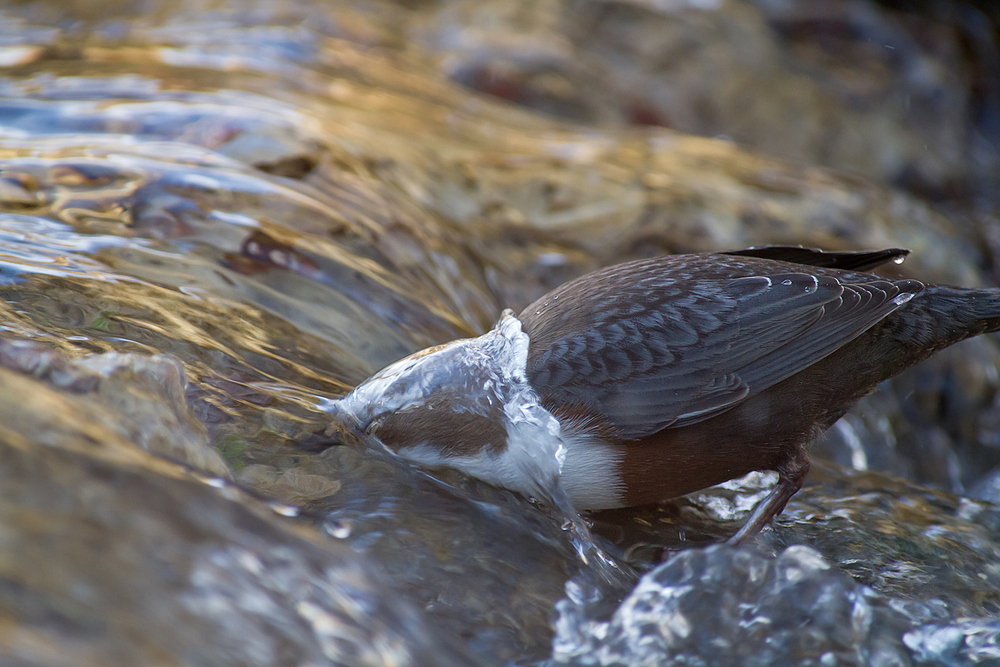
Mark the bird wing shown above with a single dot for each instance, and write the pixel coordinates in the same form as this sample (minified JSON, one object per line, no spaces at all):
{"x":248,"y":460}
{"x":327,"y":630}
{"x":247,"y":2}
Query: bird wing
{"x":676,"y":340}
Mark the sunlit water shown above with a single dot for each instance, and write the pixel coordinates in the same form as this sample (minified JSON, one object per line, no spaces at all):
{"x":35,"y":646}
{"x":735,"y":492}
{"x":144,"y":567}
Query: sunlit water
{"x":285,"y":209}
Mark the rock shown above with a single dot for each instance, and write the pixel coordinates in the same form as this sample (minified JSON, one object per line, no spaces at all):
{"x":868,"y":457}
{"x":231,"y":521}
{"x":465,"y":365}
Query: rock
{"x":135,"y":399}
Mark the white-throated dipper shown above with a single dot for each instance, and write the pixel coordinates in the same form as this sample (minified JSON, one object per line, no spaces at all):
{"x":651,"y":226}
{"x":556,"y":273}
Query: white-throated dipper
{"x":659,"y":377}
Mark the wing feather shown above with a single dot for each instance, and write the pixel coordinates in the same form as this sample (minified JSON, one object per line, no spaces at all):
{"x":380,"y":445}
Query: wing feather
{"x":672,"y":341}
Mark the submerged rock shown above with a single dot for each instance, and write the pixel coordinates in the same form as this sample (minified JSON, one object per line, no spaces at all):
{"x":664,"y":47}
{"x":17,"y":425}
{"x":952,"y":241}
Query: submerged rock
{"x":139,"y":398}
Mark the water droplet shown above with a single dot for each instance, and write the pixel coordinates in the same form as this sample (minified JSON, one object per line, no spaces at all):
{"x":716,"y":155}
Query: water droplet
{"x":339,"y":529}
{"x":285,"y":510}
{"x":898,"y":260}
{"x":553,"y":259}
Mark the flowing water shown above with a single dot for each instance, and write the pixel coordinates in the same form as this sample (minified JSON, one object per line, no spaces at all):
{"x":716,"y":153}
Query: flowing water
{"x":216,"y":217}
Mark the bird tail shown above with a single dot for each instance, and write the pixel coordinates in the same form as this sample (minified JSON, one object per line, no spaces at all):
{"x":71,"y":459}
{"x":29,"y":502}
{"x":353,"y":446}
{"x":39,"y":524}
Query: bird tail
{"x":957,"y":313}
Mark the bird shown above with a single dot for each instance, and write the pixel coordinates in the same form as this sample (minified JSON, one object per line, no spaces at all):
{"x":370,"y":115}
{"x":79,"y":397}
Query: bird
{"x":659,"y":377}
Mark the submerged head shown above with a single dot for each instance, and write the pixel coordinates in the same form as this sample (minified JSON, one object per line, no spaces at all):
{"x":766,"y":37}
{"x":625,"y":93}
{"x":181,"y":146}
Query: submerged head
{"x":470,"y":375}
{"x":466,"y":404}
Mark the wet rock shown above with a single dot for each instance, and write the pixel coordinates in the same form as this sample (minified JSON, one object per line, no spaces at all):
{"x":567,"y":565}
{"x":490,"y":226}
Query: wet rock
{"x":292,"y":486}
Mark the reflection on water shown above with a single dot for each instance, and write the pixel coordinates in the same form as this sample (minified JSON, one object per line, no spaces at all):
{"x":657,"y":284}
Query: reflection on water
{"x":36,"y":245}
{"x":287,"y":197}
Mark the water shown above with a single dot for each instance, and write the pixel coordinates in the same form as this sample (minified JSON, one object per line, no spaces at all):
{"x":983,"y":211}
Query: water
{"x":278,"y":200}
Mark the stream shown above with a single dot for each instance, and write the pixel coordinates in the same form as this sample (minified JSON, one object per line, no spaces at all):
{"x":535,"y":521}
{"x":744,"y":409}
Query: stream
{"x":215,"y":217}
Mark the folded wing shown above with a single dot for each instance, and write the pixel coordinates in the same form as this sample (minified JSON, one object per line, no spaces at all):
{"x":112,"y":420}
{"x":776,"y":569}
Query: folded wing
{"x":672,"y":341}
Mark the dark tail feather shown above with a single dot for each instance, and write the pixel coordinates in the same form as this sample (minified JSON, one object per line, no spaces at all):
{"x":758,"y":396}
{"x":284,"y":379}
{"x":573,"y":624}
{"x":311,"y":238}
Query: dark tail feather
{"x":845,"y":261}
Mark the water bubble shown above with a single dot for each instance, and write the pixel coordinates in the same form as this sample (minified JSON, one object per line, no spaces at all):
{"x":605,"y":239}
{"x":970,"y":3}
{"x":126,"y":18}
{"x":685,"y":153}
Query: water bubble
{"x":339,"y":529}
{"x":284,"y":510}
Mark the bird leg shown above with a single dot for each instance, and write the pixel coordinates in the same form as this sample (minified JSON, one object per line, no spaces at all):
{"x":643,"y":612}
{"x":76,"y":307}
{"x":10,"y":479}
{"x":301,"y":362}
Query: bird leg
{"x":791,"y":474}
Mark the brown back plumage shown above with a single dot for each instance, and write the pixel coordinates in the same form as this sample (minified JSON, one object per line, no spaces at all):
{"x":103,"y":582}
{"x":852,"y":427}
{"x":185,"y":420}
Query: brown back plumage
{"x":671,"y":341}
